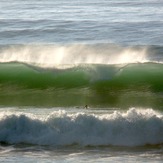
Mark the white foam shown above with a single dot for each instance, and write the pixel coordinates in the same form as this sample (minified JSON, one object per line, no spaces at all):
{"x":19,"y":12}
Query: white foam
{"x":132,"y":128}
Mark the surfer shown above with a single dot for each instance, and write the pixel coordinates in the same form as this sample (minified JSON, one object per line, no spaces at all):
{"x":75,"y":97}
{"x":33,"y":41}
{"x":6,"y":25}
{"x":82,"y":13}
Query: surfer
{"x":86,"y":107}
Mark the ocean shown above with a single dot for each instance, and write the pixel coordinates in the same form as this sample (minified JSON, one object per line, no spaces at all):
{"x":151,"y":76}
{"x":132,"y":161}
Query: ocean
{"x":81,"y":81}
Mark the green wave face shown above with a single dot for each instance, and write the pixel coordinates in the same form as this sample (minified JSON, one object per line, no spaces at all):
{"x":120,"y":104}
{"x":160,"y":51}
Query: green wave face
{"x":139,"y":84}
{"x":28,"y":77}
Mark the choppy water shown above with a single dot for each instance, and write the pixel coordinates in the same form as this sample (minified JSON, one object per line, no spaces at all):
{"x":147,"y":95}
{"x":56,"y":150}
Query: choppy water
{"x":58,"y":56}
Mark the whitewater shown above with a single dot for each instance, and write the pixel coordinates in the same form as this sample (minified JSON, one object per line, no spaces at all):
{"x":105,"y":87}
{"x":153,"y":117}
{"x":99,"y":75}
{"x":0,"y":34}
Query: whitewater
{"x":81,"y":81}
{"x":60,"y":128}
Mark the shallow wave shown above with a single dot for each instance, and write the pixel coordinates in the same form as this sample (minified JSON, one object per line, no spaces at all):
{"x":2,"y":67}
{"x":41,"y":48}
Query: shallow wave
{"x":132,"y":128}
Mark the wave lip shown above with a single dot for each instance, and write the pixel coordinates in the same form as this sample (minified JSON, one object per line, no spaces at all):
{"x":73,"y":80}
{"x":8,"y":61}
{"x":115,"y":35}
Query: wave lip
{"x":133,"y":128}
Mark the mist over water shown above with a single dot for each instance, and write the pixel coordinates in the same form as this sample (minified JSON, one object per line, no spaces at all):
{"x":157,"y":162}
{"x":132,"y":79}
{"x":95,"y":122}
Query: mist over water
{"x":58,"y":55}
{"x":51,"y":55}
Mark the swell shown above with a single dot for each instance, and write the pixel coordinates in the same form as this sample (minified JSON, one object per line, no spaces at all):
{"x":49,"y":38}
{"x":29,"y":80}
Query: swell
{"x":132,"y":128}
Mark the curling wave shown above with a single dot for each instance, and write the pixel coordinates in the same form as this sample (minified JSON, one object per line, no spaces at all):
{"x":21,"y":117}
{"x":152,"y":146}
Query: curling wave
{"x":90,"y":75}
{"x":74,"y":75}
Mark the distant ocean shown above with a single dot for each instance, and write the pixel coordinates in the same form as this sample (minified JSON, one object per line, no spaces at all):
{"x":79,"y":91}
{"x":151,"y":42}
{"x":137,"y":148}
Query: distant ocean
{"x":81,"y":81}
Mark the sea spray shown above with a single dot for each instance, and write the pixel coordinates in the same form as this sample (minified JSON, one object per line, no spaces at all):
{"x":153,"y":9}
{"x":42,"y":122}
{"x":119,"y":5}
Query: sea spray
{"x":45,"y":55}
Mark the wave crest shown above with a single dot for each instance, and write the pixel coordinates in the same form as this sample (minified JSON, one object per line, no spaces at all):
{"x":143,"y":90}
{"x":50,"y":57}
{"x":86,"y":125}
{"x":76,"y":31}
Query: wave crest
{"x":54,"y":55}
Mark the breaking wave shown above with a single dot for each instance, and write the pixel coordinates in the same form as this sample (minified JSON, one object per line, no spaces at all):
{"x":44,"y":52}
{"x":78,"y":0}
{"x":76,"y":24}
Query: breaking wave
{"x":75,"y":75}
{"x":132,"y":128}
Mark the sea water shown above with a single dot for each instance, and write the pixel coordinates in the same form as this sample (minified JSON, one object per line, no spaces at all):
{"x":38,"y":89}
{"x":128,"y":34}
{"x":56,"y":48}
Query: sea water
{"x":81,"y":81}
